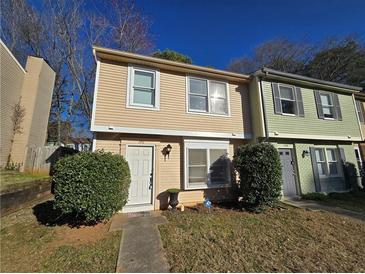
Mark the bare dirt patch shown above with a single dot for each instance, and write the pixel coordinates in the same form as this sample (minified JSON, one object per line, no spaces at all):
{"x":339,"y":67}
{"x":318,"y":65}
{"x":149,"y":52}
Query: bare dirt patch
{"x":38,"y":243}
{"x":80,"y":235}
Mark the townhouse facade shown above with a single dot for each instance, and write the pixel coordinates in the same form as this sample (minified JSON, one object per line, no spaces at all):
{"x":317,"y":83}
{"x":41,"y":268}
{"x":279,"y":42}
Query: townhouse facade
{"x":178,"y":126}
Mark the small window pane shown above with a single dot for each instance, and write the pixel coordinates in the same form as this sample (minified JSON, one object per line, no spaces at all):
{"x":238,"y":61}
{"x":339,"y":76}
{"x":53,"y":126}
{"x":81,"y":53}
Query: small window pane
{"x":218,"y":170}
{"x":331,"y":155}
{"x":197,"y":175}
{"x":288,"y":106}
{"x":143,"y":79}
{"x":319,"y":155}
{"x":328,"y":112}
{"x":144,"y":97}
{"x":198,"y":103}
{"x":321,"y":168}
{"x":198,"y":86}
{"x":218,"y":106}
{"x":333,"y":168}
{"x":286,"y":93}
{"x":217,"y":90}
{"x":197,"y":157}
{"x":326,"y":99}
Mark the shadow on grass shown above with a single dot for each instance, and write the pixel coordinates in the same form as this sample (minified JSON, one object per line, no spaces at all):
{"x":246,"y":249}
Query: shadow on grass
{"x":47,"y":215}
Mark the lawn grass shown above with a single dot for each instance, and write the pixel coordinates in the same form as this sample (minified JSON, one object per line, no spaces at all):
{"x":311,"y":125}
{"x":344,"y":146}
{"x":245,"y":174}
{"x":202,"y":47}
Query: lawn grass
{"x":354,"y":200}
{"x":29,"y":246}
{"x":14,"y":179}
{"x":286,"y":240}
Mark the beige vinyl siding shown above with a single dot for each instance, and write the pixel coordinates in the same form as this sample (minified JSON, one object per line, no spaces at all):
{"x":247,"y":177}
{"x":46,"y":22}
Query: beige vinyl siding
{"x":311,"y":124}
{"x":11,"y":81}
{"x":169,"y":171}
{"x":256,"y":110}
{"x":111,"y":105}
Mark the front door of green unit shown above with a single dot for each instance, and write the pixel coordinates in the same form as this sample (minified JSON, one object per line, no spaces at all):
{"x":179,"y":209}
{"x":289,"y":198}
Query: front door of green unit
{"x":288,"y":171}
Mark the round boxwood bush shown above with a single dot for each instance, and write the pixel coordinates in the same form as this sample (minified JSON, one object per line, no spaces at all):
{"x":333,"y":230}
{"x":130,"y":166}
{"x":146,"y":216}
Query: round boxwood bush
{"x":260,"y":174}
{"x":91,"y":185}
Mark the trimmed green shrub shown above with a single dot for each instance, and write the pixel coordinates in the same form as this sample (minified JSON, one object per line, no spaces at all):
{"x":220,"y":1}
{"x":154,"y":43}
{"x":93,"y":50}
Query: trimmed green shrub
{"x":260,"y":174}
{"x":316,"y":196}
{"x":91,"y":185}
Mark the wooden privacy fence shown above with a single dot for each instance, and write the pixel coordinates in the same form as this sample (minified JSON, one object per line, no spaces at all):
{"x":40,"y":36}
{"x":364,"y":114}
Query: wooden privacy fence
{"x":42,"y":159}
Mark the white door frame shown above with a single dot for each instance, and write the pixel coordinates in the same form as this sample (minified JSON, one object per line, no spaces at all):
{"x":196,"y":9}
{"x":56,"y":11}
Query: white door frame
{"x":137,"y":208}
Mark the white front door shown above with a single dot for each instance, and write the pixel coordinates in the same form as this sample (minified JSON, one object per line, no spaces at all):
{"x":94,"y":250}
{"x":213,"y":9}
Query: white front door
{"x":140,"y":160}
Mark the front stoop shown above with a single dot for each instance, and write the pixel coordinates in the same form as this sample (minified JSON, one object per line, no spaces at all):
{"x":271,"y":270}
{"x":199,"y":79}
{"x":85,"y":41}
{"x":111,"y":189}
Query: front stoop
{"x":141,"y":246}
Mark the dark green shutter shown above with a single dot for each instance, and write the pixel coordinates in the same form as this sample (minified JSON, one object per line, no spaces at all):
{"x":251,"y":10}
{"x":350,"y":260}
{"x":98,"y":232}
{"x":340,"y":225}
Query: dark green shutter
{"x":344,"y":166}
{"x":319,"y":104}
{"x":299,"y":99}
{"x":317,"y":182}
{"x":276,"y":95}
{"x":337,"y":106}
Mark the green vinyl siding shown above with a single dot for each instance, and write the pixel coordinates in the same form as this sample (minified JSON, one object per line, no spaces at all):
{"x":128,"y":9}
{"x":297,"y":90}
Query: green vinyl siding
{"x":311,"y":124}
{"x":304,"y":164}
{"x":304,"y":170}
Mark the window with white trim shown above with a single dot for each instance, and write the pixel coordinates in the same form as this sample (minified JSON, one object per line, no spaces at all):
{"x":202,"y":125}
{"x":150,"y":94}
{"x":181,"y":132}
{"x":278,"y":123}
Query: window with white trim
{"x":358,"y":159}
{"x":206,"y":165}
{"x":327,"y":162}
{"x":328,"y":107}
{"x":143,"y":89}
{"x":287,"y":99}
{"x":207,"y":96}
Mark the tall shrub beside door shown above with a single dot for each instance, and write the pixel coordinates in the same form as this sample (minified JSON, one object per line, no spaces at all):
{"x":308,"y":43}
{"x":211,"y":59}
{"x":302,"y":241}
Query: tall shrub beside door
{"x":260,"y":174}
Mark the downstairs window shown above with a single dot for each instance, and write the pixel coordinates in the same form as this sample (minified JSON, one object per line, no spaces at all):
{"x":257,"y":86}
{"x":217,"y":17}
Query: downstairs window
{"x":206,"y":164}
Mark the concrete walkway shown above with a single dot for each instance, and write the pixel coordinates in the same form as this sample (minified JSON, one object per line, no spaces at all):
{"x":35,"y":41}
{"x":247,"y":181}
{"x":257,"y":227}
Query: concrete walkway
{"x":297,"y":202}
{"x":140,"y":247}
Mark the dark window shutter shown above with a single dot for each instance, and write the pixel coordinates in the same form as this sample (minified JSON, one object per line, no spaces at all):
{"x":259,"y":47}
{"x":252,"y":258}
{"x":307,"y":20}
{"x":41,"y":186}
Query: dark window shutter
{"x":360,"y":111}
{"x":319,"y":104}
{"x":276,"y":95}
{"x":342,"y":155}
{"x":300,"y":106}
{"x":317,"y":182}
{"x":336,"y":103}
{"x":344,"y":166}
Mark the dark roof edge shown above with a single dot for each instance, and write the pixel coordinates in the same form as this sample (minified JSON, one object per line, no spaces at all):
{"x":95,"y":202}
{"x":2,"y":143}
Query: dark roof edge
{"x":267,"y":71}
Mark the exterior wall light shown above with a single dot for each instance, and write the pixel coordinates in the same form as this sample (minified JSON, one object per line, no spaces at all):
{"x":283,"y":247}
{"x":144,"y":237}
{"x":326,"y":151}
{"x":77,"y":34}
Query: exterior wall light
{"x":305,"y":153}
{"x":166,"y":151}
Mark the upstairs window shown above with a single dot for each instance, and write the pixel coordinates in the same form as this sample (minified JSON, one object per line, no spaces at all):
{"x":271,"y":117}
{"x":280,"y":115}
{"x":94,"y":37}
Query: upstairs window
{"x":143,"y":91}
{"x":287,"y":100}
{"x":328,"y":105}
{"x":207,"y":96}
{"x":360,"y":111}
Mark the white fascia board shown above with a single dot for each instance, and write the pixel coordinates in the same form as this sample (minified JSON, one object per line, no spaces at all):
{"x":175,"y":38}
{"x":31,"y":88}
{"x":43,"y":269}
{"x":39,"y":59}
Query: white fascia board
{"x":152,"y":131}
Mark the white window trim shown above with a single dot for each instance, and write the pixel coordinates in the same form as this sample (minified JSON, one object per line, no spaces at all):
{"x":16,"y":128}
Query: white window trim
{"x":358,"y":151}
{"x":203,"y":144}
{"x":130,"y":90}
{"x":285,"y":99}
{"x":359,"y":112}
{"x":327,"y":171}
{"x":199,"y":112}
{"x":330,"y":106}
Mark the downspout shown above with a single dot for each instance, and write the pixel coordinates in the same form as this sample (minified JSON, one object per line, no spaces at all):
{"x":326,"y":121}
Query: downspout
{"x":264,"y":111}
